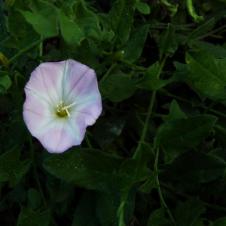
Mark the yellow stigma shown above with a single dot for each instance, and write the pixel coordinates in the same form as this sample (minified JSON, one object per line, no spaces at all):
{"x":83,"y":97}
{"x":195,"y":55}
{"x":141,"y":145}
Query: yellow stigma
{"x":62,"y":110}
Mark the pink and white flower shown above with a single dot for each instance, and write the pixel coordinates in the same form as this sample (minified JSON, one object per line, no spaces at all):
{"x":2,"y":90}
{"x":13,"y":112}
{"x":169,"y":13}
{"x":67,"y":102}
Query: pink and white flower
{"x":62,"y":99}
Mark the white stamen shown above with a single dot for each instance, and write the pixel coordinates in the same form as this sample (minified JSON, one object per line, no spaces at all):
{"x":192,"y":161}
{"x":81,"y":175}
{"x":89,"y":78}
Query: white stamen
{"x":61,"y":107}
{"x":68,"y":113}
{"x":69,"y":106}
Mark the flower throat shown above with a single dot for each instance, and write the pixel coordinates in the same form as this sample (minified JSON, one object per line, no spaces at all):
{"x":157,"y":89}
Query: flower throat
{"x":63,"y":111}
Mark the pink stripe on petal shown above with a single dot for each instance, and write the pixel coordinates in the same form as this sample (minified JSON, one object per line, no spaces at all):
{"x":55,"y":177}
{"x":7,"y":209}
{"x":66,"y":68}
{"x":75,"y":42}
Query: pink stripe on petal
{"x":87,"y":85}
{"x":35,"y":121}
{"x":77,"y":129}
{"x":46,"y":79}
{"x":36,"y":112}
{"x":36,"y":103}
{"x":75,"y":73}
{"x":57,"y":139}
{"x":90,"y":108}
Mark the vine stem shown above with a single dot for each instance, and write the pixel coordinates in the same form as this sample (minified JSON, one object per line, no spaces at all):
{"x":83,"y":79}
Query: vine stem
{"x":162,"y":200}
{"x":121,"y":209}
{"x":178,"y":193}
{"x":212,"y":32}
{"x":108,"y":72}
{"x":142,"y":140}
{"x":149,"y":113}
{"x":121,"y":213}
{"x":135,"y":67}
{"x":192,"y":12}
{"x":146,"y":123}
{"x":216,"y":112}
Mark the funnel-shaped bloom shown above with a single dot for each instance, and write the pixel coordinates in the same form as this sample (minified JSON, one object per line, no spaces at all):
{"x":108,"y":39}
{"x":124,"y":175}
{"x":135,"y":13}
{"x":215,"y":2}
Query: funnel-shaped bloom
{"x":62,"y":99}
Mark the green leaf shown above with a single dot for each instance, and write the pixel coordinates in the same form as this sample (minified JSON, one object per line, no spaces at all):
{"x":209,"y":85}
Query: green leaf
{"x":121,"y":18}
{"x":29,"y":217}
{"x":3,"y":31}
{"x":151,"y":81}
{"x":179,"y":135}
{"x":107,"y":129}
{"x":196,"y":167}
{"x":87,"y":20}
{"x":5,"y":82}
{"x":149,"y":184}
{"x":118,"y":87}
{"x":173,"y":8}
{"x":19,"y":37}
{"x":188,"y":213}
{"x":157,"y":218}
{"x":175,"y":112}
{"x":70,"y":31}
{"x":34,"y":198}
{"x":100,"y":209}
{"x":181,"y":72}
{"x":43,"y":19}
{"x":143,"y":8}
{"x":207,"y":75}
{"x":85,"y":213}
{"x":134,"y":47}
{"x":217,"y":51}
{"x":168,"y":42}
{"x":106,"y":208}
{"x":12,"y":169}
{"x":220,"y":222}
{"x":107,"y":33}
{"x":201,"y":30}
{"x":93,"y":169}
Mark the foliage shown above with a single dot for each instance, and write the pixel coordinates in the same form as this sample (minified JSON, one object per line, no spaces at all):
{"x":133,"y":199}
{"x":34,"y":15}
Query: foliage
{"x":157,"y":154}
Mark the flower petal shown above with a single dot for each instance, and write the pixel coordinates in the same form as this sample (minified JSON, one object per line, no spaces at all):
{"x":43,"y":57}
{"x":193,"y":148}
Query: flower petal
{"x":60,"y":135}
{"x":74,"y":73}
{"x":46,"y":81}
{"x":82,"y":83}
{"x":56,"y":138}
{"x":36,"y":112}
{"x":84,"y":92}
{"x":90,"y":108}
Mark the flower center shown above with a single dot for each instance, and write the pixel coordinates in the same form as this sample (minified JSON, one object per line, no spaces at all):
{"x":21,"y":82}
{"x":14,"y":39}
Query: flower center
{"x":63,"y":111}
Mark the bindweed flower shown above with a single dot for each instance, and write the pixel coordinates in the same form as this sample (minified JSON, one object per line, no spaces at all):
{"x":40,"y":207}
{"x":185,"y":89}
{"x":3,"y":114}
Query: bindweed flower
{"x":62,"y":99}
